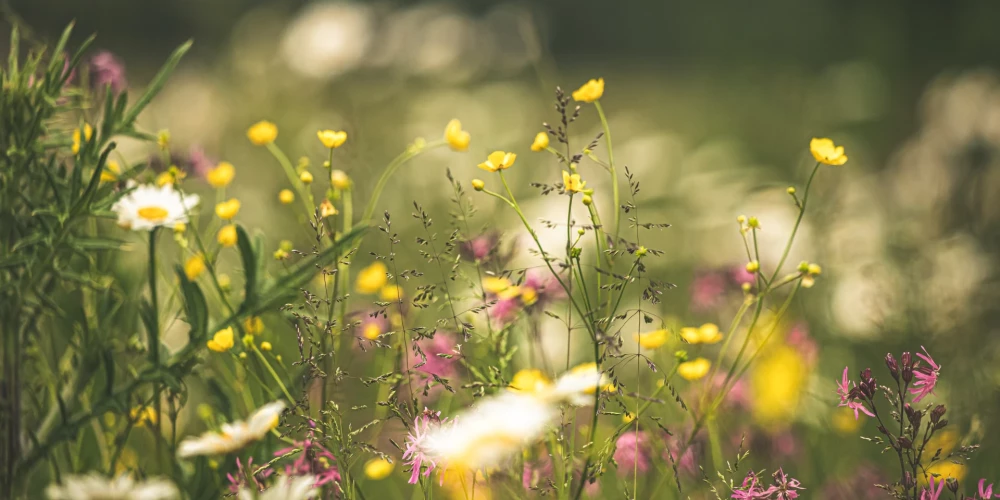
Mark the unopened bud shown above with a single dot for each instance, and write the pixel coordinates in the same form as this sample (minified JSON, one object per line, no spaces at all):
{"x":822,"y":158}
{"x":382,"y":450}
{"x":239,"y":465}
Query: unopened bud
{"x":587,"y":200}
{"x":741,"y":219}
{"x":790,"y":190}
{"x":941,"y":425}
{"x":753,"y":266}
{"x":641,"y":251}
{"x":890,"y":362}
{"x":953,"y":484}
{"x":478,"y":184}
{"x":306,"y":177}
{"x":753,"y":222}
{"x":803,"y":267}
{"x":937,"y":413}
{"x":904,"y":442}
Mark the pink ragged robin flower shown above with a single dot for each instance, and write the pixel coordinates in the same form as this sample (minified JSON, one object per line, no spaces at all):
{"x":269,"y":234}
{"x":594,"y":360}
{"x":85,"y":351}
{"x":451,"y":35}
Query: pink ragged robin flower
{"x":752,"y":489}
{"x":313,"y":460}
{"x":414,"y":454}
{"x":926,"y":376}
{"x":844,"y":391}
{"x":930,"y":493}
{"x":786,"y":487}
{"x":985,"y":491}
{"x":633,"y":453}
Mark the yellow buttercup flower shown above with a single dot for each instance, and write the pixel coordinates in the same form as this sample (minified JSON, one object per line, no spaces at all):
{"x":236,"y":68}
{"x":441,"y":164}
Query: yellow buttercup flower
{"x":222,"y":341}
{"x":778,"y":382}
{"x":228,"y":209}
{"x":164,"y":179}
{"x":327,"y":209}
{"x":502,"y":287}
{"x":590,"y":91}
{"x":541,"y":142}
{"x":265,"y":346}
{"x":340,"y":180}
{"x":390,"y":293}
{"x":695,"y":369}
{"x":498,"y":160}
{"x":372,"y":278}
{"x":253,"y":325}
{"x":194,"y":266}
{"x":572,"y":182}
{"x":826,"y":152}
{"x":530,"y":380}
{"x":652,"y":340}
{"x":332,"y":139}
{"x":306,"y":177}
{"x":221,"y":175}
{"x":142,"y":414}
{"x":88,"y":131}
{"x":111,"y":171}
{"x":378,"y":468}
{"x":456,"y":138}
{"x":705,"y":334}
{"x":227,"y":236}
{"x":371,"y":331}
{"x":262,"y":133}
{"x":529,"y":296}
{"x":286,"y":196}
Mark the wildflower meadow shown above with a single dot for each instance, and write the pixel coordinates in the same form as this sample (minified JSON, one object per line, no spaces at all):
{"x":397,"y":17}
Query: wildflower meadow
{"x":507,"y":298}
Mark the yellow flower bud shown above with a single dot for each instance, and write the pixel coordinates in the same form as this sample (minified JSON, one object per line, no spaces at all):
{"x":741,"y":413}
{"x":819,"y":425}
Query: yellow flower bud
{"x":306,"y":177}
{"x":180,"y":227}
{"x":228,"y":209}
{"x":753,"y":222}
{"x":194,"y":266}
{"x":340,"y":180}
{"x":243,"y":355}
{"x":227,"y":236}
{"x":741,"y":219}
{"x":641,"y":251}
{"x":753,"y":266}
{"x":587,"y":200}
{"x":253,"y":325}
{"x":286,"y":245}
{"x":224,"y":282}
{"x":221,"y":175}
{"x":162,"y":139}
{"x":265,"y":346}
{"x":332,"y":139}
{"x":88,"y":131}
{"x":541,"y":142}
{"x":790,"y":190}
{"x":280,"y":254}
{"x":478,"y":184}
{"x":378,"y":468}
{"x":456,"y":138}
{"x":286,"y":196}
{"x":262,"y":133}
{"x":814,"y":269}
{"x":111,"y":171}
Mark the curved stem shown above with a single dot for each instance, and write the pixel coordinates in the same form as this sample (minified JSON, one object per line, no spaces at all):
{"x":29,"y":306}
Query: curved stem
{"x":390,"y":170}
{"x":300,"y":188}
{"x":798,"y":220}
{"x":611,"y":166}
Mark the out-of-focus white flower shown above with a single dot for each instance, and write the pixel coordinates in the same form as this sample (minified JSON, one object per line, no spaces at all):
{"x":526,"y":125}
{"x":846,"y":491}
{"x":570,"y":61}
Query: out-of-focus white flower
{"x":491,"y":432}
{"x":97,"y":487}
{"x":284,"y":488}
{"x":328,"y":39}
{"x":149,"y":206}
{"x":233,"y":436}
{"x":578,"y":385}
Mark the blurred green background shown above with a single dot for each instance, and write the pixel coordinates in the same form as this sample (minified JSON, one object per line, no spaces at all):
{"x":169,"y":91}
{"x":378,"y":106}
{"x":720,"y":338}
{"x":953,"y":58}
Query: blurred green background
{"x":712,"y":103}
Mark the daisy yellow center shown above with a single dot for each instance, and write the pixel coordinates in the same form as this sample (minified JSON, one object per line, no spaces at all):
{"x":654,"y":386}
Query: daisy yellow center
{"x":153,"y":214}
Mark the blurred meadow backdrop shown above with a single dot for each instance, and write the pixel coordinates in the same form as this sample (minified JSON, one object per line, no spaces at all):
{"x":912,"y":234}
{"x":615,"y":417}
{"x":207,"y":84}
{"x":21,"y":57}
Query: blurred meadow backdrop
{"x":712,"y":105}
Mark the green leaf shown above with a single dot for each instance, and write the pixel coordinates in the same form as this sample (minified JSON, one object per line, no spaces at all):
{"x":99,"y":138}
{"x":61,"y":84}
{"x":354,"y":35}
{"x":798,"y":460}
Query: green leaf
{"x":156,"y":85}
{"x":195,"y":307}
{"x":250,"y":269}
{"x":98,"y":243}
{"x":290,"y":283}
{"x":148,"y":314}
{"x":95,"y":180}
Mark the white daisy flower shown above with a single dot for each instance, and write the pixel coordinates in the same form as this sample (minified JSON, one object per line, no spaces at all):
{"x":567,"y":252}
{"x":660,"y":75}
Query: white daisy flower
{"x":578,"y":385}
{"x":149,"y":206}
{"x":285,"y":488}
{"x":490,"y":433}
{"x":97,"y":487}
{"x":234,"y":436}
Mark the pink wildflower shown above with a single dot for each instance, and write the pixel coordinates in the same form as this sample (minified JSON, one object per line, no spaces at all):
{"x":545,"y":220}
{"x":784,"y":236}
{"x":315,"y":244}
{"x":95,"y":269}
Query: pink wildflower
{"x":927,"y":377}
{"x":930,"y":493}
{"x":632,"y":452}
{"x":245,"y":476}
{"x":986,"y":492}
{"x":536,"y":472}
{"x":544,"y":284}
{"x":707,"y":289}
{"x":107,"y":69}
{"x":786,"y":487}
{"x":752,"y":489}
{"x":741,"y":276}
{"x":844,"y":391}
{"x":414,"y":454}
{"x":440,"y":343}
{"x":313,"y":460}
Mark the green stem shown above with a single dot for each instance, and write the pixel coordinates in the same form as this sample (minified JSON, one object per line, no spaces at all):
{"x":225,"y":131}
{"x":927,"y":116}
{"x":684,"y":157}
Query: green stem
{"x":798,"y":220}
{"x":273,"y":373}
{"x":390,"y":170}
{"x":293,"y":178}
{"x":611,"y":166}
